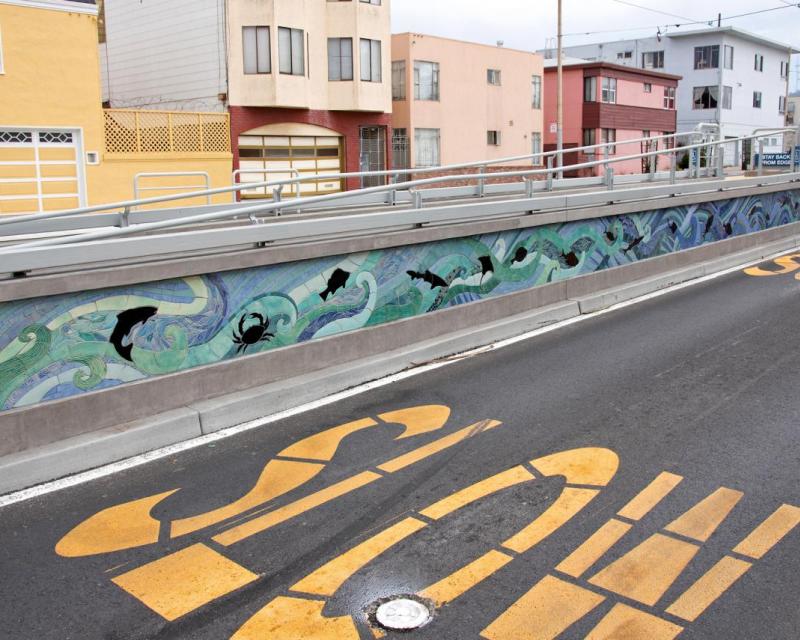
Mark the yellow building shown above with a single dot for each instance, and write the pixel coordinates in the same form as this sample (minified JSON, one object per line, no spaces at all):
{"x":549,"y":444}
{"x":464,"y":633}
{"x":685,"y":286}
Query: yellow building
{"x":59,"y":149}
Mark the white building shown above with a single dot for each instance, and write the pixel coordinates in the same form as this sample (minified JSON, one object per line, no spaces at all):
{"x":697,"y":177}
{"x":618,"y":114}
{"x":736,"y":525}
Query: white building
{"x":730,"y":76}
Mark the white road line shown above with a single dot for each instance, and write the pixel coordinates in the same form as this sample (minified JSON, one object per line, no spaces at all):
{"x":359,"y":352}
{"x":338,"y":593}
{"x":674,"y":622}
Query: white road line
{"x":129,"y":463}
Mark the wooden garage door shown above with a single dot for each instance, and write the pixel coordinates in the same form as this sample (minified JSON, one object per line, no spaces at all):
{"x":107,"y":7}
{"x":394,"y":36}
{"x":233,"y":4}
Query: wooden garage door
{"x":38,"y":171}
{"x":276,"y":155}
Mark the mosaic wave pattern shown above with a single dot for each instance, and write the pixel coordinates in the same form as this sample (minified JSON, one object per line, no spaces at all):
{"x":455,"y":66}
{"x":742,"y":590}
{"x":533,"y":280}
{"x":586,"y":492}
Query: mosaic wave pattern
{"x":61,"y":346}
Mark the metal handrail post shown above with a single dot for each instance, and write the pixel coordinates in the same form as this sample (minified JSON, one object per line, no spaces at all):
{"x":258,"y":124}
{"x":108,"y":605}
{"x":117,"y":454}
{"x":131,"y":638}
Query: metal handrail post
{"x":549,"y":183}
{"x":276,"y":197}
{"x":528,"y":187}
{"x":609,"y":177}
{"x":720,"y":157}
{"x":673,"y":166}
{"x":481,"y":182}
{"x":760,"y":168}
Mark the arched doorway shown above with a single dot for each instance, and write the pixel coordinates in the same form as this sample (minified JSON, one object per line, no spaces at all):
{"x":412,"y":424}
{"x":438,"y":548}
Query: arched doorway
{"x":271,"y":152}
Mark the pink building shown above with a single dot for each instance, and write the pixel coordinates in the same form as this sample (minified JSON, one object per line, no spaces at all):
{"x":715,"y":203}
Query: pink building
{"x":605,"y":102}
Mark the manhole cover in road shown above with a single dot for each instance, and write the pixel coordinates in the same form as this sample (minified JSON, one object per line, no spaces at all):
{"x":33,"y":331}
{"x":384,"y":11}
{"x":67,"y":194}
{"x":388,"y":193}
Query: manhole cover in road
{"x":402,"y":614}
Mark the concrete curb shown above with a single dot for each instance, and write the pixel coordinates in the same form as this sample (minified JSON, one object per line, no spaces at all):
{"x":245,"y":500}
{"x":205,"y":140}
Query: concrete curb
{"x":89,"y":450}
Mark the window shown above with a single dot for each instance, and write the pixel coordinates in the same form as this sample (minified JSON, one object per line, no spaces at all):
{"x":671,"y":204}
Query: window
{"x":626,"y":55}
{"x":493,"y":138}
{"x":589,"y":137}
{"x":536,"y":98}
{"x":705,"y":97}
{"x":669,"y":97}
{"x":255,"y":50}
{"x":609,"y":135}
{"x":757,"y":99}
{"x":728,"y":57}
{"x":291,"y":51}
{"x":781,"y":104}
{"x":706,"y":57}
{"x":493,"y":76}
{"x":590,"y":89}
{"x":727,"y":97}
{"x":399,"y":80}
{"x":426,"y":147}
{"x":536,"y":146}
{"x":790,"y":114}
{"x":610,"y":90}
{"x":370,"y":60}
{"x":759,"y":62}
{"x":653,"y":60}
{"x":784,"y":69}
{"x":340,"y":59}
{"x":371,"y":1}
{"x":648,"y":88}
{"x":426,"y":80}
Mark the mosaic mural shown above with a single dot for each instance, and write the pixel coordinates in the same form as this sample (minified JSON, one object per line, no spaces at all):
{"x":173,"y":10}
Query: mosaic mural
{"x":60,"y":346}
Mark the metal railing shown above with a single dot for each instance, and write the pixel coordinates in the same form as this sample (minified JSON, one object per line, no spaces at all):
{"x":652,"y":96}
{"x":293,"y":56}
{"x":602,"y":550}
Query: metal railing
{"x":393,"y":173}
{"x":137,"y":188}
{"x":412,"y":187}
{"x":276,"y":192}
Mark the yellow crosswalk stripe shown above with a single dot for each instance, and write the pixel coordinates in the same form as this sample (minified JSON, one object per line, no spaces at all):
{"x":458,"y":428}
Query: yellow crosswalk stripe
{"x":702,"y":519}
{"x":708,"y":588}
{"x":593,"y":549}
{"x":626,"y":623}
{"x":464,"y":579}
{"x":650,"y":496}
{"x":770,"y":532}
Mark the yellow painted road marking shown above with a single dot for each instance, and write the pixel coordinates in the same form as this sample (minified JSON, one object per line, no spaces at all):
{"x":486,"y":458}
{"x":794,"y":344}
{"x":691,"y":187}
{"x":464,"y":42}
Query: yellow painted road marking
{"x":418,"y":420}
{"x":626,"y":623}
{"x":508,"y":478}
{"x":293,"y":509}
{"x":770,"y":532}
{"x":323,"y":445}
{"x":647,"y":571}
{"x":593,"y":549}
{"x":787,"y":264}
{"x":702,"y":519}
{"x":650,"y":496}
{"x":593,"y":465}
{"x":465,"y":578}
{"x":544,"y":612}
{"x":277,"y":478}
{"x":330,"y":576}
{"x":708,"y":588}
{"x":406,"y":460}
{"x":570,"y":502}
{"x":296,"y":619}
{"x":124,"y":526}
{"x":184,"y":581}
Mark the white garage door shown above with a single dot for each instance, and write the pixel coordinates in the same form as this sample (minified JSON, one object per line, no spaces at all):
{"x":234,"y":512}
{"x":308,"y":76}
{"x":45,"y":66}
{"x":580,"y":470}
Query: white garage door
{"x":39,"y":170}
{"x":271,"y":157}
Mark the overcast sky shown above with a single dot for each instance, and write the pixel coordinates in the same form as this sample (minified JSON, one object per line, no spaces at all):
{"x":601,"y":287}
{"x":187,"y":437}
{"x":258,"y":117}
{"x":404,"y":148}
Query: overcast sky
{"x":527,"y":24}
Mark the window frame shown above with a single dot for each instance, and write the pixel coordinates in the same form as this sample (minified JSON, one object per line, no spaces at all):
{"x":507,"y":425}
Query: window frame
{"x":709,"y":52}
{"x":590,"y":83}
{"x":371,"y":75}
{"x":648,"y":87}
{"x":494,"y":74}
{"x":759,"y":63}
{"x":608,"y":94}
{"x":536,"y":92}
{"x":340,"y":57}
{"x":669,"y":98}
{"x":589,"y":138}
{"x":608,"y":135}
{"x":292,"y":45}
{"x":399,"y":71}
{"x":246,"y":29}
{"x":435,"y":81}
{"x":438,"y":139}
{"x":711,"y":89}
{"x":758,"y":99}
{"x":657,"y":59}
{"x":727,"y":98}
{"x":375,"y":2}
{"x":536,"y":147}
{"x":726,"y":49}
{"x":493,"y":137}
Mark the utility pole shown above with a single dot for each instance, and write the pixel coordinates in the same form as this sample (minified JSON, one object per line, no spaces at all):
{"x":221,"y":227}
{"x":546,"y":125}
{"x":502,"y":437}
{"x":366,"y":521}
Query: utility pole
{"x":560,"y":90}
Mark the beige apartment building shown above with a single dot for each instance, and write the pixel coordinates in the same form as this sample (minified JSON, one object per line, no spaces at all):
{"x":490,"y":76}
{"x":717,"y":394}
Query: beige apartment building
{"x":307,"y":83}
{"x":457,"y":101}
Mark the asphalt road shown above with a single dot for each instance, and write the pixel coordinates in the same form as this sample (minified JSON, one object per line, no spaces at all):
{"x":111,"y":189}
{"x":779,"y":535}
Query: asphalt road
{"x":686,"y":399}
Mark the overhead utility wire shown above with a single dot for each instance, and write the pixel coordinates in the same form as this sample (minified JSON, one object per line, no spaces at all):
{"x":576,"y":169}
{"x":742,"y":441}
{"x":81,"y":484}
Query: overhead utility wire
{"x":663,"y":13}
{"x":685,"y":24}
